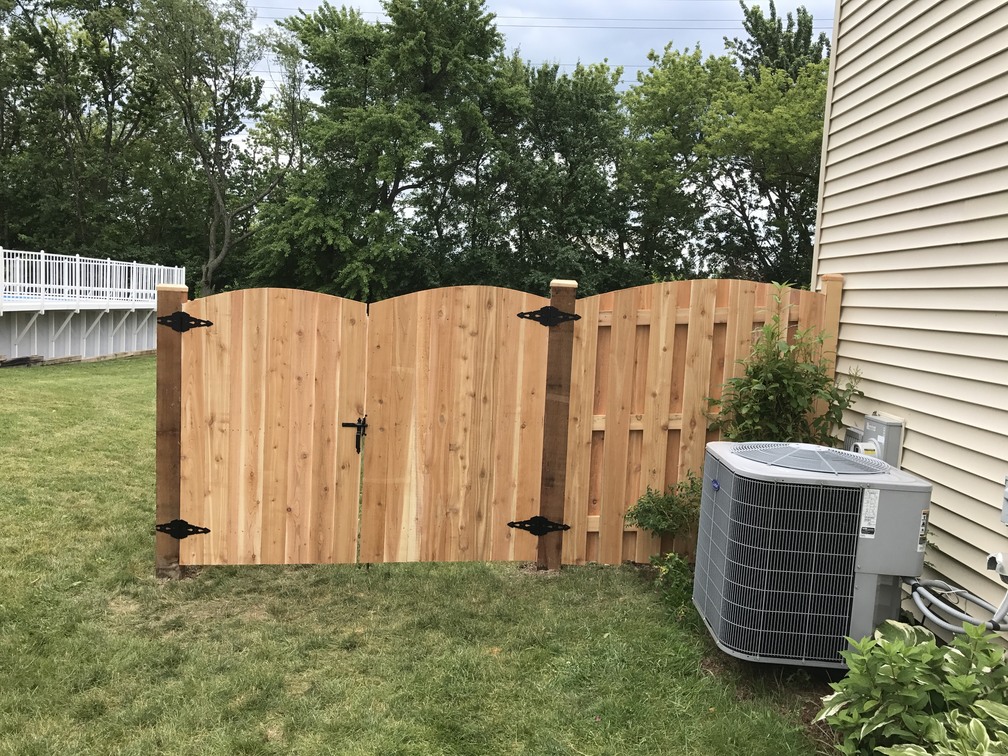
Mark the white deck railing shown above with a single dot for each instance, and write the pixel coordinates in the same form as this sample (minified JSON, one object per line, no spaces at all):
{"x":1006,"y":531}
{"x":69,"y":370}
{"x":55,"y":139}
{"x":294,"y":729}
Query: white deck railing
{"x":40,"y":281}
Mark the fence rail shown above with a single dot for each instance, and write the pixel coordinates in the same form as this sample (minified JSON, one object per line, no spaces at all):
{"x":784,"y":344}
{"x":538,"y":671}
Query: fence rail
{"x":41,"y":281}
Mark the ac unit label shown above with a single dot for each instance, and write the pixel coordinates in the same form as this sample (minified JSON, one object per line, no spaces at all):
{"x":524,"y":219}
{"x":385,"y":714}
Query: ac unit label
{"x":869,"y":512}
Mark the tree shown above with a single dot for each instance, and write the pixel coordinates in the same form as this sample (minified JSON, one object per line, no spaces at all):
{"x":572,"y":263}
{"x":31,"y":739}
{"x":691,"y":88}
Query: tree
{"x":203,"y":54}
{"x":78,"y":106}
{"x":761,"y":147}
{"x":664,"y":172}
{"x":399,"y":116}
{"x":772,"y":46}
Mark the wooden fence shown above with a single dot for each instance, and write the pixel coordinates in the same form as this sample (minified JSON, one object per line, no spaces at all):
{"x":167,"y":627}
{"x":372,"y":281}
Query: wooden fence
{"x":251,"y":414}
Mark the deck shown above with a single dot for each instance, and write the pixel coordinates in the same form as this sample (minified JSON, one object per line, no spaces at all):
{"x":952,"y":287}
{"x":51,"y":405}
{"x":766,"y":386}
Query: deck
{"x":39,"y":282}
{"x":56,"y":306}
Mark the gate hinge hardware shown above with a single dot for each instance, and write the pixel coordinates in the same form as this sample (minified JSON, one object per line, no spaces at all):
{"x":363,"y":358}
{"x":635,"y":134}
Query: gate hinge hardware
{"x":182,"y":321}
{"x":538,"y":525}
{"x":549,"y":316}
{"x":361,"y":426}
{"x":179,"y":529}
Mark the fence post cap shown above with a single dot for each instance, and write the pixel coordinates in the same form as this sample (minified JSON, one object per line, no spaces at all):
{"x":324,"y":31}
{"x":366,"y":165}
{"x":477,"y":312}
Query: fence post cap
{"x":563,"y":283}
{"x":832,"y":277}
{"x":172,"y":287}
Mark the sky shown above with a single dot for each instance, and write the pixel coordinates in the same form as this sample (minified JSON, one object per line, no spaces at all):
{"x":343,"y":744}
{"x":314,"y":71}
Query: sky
{"x":621,"y":32}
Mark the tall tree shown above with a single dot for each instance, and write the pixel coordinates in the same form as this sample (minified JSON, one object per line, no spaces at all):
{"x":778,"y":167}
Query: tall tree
{"x":77,"y":107}
{"x":204,"y":53}
{"x":396,"y":98}
{"x":772,"y":45}
{"x":664,"y":172}
{"x":762,"y":142}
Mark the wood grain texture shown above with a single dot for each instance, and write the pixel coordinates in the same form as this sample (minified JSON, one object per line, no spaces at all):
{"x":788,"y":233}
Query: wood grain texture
{"x":266,"y":464}
{"x":580,"y":428}
{"x":168,"y":424}
{"x":556,"y":417}
{"x":456,"y":391}
{"x":454,"y":388}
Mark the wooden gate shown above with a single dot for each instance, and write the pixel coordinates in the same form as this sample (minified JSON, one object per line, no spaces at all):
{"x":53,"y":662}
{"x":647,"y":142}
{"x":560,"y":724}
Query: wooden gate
{"x":265,"y":463}
{"x":456,"y":385}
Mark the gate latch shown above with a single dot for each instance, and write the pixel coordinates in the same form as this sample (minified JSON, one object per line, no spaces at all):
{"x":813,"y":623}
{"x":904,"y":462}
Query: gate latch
{"x":361,"y":426}
{"x":538,"y":525}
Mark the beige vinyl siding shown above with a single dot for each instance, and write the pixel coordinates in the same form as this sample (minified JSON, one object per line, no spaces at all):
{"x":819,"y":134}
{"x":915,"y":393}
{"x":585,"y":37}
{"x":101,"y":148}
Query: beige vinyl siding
{"x":913,"y":211}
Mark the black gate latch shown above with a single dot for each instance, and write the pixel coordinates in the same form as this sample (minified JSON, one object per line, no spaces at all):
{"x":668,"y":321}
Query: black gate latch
{"x":179,"y":529}
{"x":182,"y":321}
{"x":361,"y":426}
{"x":538,"y":526}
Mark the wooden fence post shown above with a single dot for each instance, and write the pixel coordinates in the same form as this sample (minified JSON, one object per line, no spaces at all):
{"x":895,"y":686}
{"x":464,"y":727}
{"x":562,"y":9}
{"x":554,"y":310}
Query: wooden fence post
{"x":553,"y":487}
{"x":169,"y":428}
{"x":832,"y":287}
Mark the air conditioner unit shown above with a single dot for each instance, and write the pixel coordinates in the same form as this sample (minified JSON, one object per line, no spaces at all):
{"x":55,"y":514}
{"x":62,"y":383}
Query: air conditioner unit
{"x":852,"y":436}
{"x":801,"y":546}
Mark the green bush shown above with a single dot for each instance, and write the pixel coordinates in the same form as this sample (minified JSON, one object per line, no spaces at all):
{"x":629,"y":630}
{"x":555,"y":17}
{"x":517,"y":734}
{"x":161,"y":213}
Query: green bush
{"x":904,"y":695}
{"x":669,"y":513}
{"x":776,"y":397}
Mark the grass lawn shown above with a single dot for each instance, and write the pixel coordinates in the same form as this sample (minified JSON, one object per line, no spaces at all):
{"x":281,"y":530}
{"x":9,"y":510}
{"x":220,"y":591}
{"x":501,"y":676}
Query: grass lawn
{"x":97,"y":656}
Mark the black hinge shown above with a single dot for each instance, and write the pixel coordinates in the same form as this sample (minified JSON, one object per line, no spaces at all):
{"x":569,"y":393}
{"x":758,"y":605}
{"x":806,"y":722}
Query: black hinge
{"x":182,"y":321}
{"x":361,"y":426}
{"x":549,"y":316}
{"x":179,"y":529}
{"x":538,"y":526}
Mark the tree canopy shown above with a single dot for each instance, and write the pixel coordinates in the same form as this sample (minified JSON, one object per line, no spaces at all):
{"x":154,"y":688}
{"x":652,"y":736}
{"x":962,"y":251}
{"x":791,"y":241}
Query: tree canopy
{"x":404,"y":153}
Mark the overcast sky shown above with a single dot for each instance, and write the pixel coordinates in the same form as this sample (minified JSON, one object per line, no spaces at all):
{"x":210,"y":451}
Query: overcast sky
{"x":619,"y":31}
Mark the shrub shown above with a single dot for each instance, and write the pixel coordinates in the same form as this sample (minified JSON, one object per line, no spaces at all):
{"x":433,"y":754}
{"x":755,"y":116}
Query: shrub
{"x":905,"y":695}
{"x":669,"y":513}
{"x":786,"y":392}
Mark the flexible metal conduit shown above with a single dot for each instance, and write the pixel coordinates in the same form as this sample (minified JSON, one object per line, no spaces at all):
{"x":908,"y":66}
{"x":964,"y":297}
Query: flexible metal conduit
{"x":924,"y":596}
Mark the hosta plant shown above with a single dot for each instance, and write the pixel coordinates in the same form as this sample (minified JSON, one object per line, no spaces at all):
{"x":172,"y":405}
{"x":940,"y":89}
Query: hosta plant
{"x":904,"y":694}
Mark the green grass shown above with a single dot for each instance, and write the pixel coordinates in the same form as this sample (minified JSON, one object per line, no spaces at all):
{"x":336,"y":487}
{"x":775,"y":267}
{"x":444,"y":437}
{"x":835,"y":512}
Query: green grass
{"x":97,"y":656}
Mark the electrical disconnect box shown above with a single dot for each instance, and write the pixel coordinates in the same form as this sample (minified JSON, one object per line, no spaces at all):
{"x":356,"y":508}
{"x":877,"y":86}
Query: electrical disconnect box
{"x":882,"y":437}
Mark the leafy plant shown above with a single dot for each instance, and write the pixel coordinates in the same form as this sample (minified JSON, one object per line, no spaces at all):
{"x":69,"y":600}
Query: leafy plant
{"x":669,"y":513}
{"x":905,"y":695}
{"x":674,"y":579}
{"x":787,"y":391}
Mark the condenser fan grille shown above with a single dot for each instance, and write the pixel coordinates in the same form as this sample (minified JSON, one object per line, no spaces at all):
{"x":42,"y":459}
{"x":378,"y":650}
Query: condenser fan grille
{"x":789,"y":570}
{"x":810,"y":458}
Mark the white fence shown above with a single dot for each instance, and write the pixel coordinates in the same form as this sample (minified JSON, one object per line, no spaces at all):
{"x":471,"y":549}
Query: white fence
{"x":62,"y":306}
{"x":42,"y":281}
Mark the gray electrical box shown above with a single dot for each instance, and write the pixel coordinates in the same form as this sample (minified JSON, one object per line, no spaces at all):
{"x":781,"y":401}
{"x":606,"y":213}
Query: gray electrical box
{"x":1004,"y":504}
{"x":882,"y":437}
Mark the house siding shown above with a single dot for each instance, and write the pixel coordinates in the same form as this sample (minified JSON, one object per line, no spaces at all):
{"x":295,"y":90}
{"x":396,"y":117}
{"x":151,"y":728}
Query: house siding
{"x":913,"y":211}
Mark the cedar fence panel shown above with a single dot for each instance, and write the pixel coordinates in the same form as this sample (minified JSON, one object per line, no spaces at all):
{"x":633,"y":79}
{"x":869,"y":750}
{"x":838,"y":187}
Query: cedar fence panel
{"x":453,"y":384}
{"x":645,"y":361}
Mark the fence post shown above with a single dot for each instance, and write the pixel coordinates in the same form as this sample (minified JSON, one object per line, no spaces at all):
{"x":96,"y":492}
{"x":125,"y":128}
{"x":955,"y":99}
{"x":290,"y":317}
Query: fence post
{"x":553,"y":485}
{"x":832,"y":286}
{"x":168,"y":449}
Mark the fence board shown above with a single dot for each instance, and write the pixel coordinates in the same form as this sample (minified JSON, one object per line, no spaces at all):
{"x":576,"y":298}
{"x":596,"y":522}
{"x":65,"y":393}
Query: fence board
{"x":617,"y":408}
{"x":580,"y":431}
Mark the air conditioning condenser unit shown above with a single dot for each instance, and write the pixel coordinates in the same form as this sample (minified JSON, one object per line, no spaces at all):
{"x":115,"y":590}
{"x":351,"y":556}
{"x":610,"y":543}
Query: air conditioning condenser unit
{"x":801,"y":546}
